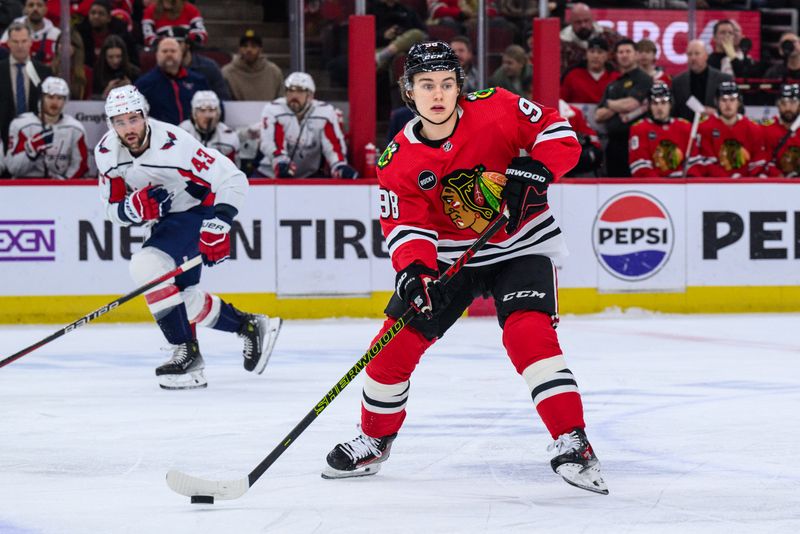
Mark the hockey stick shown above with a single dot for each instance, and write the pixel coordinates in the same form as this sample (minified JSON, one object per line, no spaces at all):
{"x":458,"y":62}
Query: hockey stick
{"x":185,"y":266}
{"x":695,"y":105}
{"x":202,"y":491}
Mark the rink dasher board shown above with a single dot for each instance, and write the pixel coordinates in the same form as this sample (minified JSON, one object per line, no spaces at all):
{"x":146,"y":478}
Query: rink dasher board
{"x":314,"y":249}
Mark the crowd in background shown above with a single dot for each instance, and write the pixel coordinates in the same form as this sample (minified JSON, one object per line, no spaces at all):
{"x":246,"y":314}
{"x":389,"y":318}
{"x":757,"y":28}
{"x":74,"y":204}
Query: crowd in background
{"x":164,"y":48}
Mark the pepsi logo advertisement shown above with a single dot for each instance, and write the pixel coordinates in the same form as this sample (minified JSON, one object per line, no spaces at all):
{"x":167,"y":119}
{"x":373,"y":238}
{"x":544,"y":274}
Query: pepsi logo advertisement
{"x":633,"y":236}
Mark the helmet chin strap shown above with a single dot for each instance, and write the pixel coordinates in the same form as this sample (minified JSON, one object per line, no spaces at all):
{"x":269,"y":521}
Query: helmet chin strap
{"x":437,"y":123}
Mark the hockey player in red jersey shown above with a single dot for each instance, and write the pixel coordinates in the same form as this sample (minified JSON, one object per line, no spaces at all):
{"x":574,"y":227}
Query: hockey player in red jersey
{"x":155,"y":174}
{"x":728,"y":143}
{"x":782,"y":149}
{"x":442,"y":181}
{"x":657,"y":143}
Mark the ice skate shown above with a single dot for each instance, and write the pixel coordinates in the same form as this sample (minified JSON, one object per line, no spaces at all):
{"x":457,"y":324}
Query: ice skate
{"x":259,"y":333}
{"x":184,"y":370}
{"x":576,"y":462}
{"x":358,"y":457}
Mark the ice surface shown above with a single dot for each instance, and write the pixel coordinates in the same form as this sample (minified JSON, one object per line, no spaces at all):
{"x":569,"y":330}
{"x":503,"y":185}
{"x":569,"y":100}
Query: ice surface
{"x":695,"y":419}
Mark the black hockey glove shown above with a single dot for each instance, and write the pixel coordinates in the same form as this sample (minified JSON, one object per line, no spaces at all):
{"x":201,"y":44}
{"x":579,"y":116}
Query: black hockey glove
{"x":419,"y":287}
{"x":525,"y":191}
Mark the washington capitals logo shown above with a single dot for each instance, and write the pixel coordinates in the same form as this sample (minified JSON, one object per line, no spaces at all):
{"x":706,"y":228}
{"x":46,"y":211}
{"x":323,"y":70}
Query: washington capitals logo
{"x":171,"y":142}
{"x":102,"y":149}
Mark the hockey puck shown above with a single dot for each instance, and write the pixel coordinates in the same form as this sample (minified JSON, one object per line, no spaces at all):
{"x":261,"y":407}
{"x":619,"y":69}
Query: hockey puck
{"x":202,"y":499}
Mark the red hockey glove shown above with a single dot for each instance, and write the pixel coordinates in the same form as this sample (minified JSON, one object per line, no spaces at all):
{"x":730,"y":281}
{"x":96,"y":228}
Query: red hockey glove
{"x":215,"y":241}
{"x":38,"y":143}
{"x":420,"y":288}
{"x":146,"y":204}
{"x":525,"y":191}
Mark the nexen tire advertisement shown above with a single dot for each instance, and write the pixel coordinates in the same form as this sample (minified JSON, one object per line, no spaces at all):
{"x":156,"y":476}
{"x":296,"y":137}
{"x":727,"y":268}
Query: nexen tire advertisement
{"x":299,"y":241}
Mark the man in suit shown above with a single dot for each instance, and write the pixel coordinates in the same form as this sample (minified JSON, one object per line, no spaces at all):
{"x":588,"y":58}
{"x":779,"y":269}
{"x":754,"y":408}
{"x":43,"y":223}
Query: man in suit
{"x":700,"y":81}
{"x":20,"y":77}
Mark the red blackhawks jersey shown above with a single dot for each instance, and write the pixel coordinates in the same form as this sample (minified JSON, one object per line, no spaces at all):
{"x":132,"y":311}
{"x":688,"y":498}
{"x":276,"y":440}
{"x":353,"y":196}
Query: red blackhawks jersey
{"x":787,"y":161}
{"x":657,"y":150}
{"x":437,"y":198}
{"x":723,"y":150}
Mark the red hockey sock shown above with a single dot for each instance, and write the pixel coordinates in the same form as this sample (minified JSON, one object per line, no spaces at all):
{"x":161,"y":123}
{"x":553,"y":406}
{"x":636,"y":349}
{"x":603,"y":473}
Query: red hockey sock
{"x":532,"y":345}
{"x":383,"y":406}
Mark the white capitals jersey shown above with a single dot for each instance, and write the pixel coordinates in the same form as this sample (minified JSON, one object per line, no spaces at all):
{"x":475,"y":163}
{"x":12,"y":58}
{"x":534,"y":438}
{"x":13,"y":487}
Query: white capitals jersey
{"x":223,"y":139}
{"x":65,"y":158}
{"x":195,"y":175}
{"x":306,"y":142}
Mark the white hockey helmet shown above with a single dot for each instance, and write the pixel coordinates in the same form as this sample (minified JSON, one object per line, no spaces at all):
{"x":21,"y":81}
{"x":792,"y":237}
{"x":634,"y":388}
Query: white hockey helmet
{"x":55,"y":86}
{"x":125,"y":99}
{"x":205,"y":99}
{"x":301,"y":80}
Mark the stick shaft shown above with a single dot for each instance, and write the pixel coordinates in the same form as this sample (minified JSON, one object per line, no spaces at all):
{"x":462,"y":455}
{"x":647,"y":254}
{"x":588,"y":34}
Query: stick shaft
{"x":86,"y":319}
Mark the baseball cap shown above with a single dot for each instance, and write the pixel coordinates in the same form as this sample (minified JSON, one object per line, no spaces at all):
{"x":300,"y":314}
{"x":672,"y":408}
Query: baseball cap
{"x":598,"y":42}
{"x":250,"y":36}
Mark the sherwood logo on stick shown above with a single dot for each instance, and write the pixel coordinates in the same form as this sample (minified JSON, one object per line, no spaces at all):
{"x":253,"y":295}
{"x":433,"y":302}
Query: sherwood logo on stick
{"x":633,"y":236}
{"x":22,"y":240}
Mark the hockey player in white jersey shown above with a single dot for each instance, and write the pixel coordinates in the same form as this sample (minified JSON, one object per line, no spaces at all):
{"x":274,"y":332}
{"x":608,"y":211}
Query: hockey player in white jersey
{"x":156,"y":174}
{"x":206,"y":127}
{"x":50,"y":144}
{"x":299,"y":135}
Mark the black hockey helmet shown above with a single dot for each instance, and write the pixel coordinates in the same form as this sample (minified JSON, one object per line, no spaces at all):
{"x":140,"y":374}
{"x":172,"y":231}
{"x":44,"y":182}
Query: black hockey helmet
{"x":660,"y":92}
{"x":727,"y":88}
{"x":433,"y":56}
{"x":790,"y":91}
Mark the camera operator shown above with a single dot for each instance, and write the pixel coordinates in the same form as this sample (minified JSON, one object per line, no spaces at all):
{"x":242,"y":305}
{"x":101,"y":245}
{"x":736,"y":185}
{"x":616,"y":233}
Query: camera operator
{"x":789,"y":50}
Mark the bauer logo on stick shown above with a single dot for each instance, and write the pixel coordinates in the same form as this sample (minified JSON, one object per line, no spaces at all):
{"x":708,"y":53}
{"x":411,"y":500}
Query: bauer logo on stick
{"x":633,"y":236}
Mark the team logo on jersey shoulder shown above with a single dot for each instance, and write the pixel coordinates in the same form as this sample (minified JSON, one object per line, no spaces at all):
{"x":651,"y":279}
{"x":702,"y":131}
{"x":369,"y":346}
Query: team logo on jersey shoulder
{"x":426,"y":180}
{"x":170,"y":142}
{"x":471,"y":197}
{"x":388,"y":154}
{"x":768,"y":122}
{"x":481,"y":94}
{"x":102,"y":149}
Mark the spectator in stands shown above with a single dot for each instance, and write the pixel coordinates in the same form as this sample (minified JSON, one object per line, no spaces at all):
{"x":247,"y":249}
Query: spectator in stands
{"x":658,"y":143}
{"x":20,"y":77}
{"x":646,"y":52}
{"x":162,"y":16}
{"x":48,"y":144}
{"x":397,"y":28}
{"x":789,"y":50}
{"x":587,"y":81}
{"x":451,"y":13}
{"x":726,"y":58}
{"x":462,"y":46}
{"x":44,"y":35}
{"x":575,"y":37}
{"x":782,"y":149}
{"x":515,"y":73}
{"x":591,"y":151}
{"x":97,"y":26}
{"x":202,"y":65}
{"x":80,"y":84}
{"x":251,"y":76}
{"x":299,"y":135}
{"x":9,"y":10}
{"x":205,"y":125}
{"x":169,"y":87}
{"x":113,"y":68}
{"x":700,"y":81}
{"x":728,"y":143}
{"x":623,"y":102}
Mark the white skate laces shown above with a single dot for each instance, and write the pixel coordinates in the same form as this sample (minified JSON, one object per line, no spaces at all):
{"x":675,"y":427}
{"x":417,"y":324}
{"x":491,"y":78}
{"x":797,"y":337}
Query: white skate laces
{"x":362,"y":447}
{"x":565,"y":443}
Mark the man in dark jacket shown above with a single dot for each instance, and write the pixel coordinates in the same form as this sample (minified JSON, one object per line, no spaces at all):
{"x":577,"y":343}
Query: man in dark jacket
{"x":700,"y":81}
{"x":397,"y":29}
{"x":20,"y":77}
{"x":169,"y":87}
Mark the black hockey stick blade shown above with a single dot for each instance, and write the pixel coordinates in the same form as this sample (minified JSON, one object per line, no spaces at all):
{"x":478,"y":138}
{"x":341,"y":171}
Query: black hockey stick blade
{"x":86,"y":319}
{"x":208,"y":490}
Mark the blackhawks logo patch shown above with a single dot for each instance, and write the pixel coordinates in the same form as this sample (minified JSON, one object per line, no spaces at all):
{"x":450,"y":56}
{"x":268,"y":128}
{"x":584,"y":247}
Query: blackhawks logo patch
{"x":481,"y":94}
{"x":388,"y":154}
{"x":471,"y":197}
